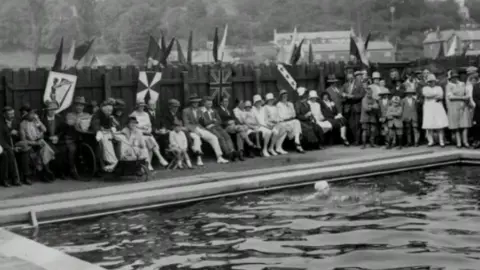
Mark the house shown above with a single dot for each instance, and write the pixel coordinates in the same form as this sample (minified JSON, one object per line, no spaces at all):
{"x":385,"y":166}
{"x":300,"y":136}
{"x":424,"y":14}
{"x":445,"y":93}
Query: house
{"x":460,"y":39}
{"x":335,"y":46}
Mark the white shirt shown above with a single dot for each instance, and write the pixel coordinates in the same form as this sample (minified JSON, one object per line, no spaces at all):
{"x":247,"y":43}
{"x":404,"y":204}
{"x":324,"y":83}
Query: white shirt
{"x":316,"y":111}
{"x":143,"y":119}
{"x":271,"y":114}
{"x":260,"y":115}
{"x":286,"y":110}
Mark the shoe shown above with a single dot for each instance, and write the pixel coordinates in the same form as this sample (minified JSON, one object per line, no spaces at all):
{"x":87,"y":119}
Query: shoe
{"x":272,"y":152}
{"x":300,"y":149}
{"x":26,"y":180}
{"x":345,"y":142}
{"x":189,"y":164}
{"x":180,"y":165}
{"x":265,"y":153}
{"x":150,"y":168}
{"x":221,"y":160}
{"x":163,"y":162}
{"x":281,"y":151}
{"x":199,"y":161}
{"x":241,"y":157}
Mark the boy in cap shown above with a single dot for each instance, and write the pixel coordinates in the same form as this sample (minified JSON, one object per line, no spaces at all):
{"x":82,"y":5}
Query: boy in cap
{"x":179,"y":145}
{"x":395,"y":123}
{"x":368,"y":118}
{"x":410,"y":117}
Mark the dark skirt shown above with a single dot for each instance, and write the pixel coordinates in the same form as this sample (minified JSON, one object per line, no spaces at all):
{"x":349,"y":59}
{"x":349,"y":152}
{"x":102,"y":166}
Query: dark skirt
{"x":309,"y":132}
{"x":337,"y":123}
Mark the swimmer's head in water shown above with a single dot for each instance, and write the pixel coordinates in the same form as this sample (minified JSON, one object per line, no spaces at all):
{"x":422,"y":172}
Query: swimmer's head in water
{"x":322,"y":187}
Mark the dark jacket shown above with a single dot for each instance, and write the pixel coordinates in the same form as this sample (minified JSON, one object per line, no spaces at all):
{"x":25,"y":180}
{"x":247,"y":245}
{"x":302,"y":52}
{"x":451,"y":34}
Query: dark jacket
{"x":211,"y":118}
{"x":169,"y":119}
{"x":328,"y":113}
{"x":226,"y":115}
{"x":99,"y":121}
{"x":52,"y":126}
{"x":354,"y":104}
{"x":6,"y":138}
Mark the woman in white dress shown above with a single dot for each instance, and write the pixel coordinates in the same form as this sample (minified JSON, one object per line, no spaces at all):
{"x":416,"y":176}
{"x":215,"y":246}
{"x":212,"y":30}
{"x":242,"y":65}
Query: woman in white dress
{"x":317,"y":112}
{"x":269,"y":133}
{"x":289,"y":121}
{"x":273,"y":121}
{"x":434,"y":116}
{"x":145,"y":126}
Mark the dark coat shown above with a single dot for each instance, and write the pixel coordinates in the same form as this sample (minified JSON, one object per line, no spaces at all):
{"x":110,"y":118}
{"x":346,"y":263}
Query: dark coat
{"x":476,"y":99}
{"x":336,"y":97}
{"x":226,"y":115}
{"x":6,"y":138}
{"x":52,"y":127}
{"x":211,"y":118}
{"x":169,"y":119}
{"x":410,"y":111}
{"x":354,"y":104}
{"x":308,"y":124}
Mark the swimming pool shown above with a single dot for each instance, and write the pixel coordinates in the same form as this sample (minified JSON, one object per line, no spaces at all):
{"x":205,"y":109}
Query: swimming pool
{"x":406,"y":221}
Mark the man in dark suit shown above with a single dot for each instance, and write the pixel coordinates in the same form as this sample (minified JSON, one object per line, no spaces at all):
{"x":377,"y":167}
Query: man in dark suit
{"x":353,"y":106}
{"x":9,"y":174}
{"x":335,"y":93}
{"x":231,"y":124}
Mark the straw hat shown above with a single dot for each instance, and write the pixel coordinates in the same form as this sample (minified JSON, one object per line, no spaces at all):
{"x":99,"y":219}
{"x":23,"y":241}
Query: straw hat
{"x":256,"y":98}
{"x":301,"y":91}
{"x":80,"y":100}
{"x":358,"y":73}
{"x":248,"y":103}
{"x":269,"y":96}
{"x":332,"y":78}
{"x":312,"y":94}
{"x":471,"y":70}
{"x":431,"y":78}
{"x":51,"y":106}
{"x":384,"y":91}
{"x":410,"y":90}
{"x":194,"y":98}
{"x":376,"y":75}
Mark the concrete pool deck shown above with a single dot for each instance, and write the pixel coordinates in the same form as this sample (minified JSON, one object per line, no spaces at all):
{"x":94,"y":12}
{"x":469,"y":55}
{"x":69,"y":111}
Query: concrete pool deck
{"x":64,"y":199}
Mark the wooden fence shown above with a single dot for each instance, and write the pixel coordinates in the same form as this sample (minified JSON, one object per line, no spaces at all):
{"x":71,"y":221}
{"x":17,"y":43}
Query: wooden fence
{"x":18,"y":87}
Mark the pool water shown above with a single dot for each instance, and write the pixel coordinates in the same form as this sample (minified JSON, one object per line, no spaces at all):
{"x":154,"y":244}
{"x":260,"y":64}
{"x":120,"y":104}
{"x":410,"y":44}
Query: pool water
{"x":416,"y":220}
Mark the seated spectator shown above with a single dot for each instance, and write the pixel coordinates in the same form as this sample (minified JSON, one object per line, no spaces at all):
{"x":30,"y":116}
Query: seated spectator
{"x":32,"y":133}
{"x":273,"y":120}
{"x":179,"y":145}
{"x":243,"y":113}
{"x":52,"y":122}
{"x":233,"y":126}
{"x":336,"y":119}
{"x":212,"y":122}
{"x":94,"y":108}
{"x":312,"y":132}
{"x":191,"y":118}
{"x":259,"y":122}
{"x":83,"y":118}
{"x":317,"y":112}
{"x":102,"y":126}
{"x":145,"y":126}
{"x":67,"y":139}
{"x":132,"y":143}
{"x":119,"y":118}
{"x":288,"y":120}
{"x":9,"y":174}
{"x":171,"y":120}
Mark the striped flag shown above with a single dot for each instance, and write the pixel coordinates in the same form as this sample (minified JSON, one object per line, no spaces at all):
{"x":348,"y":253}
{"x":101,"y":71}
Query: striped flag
{"x":284,"y":79}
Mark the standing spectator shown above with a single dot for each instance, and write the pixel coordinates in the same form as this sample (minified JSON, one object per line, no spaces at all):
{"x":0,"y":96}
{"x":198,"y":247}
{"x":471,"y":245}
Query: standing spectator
{"x":410,"y":117}
{"x":383,"y":105}
{"x":353,"y":107}
{"x":368,"y":118}
{"x":376,"y":88}
{"x":434,"y":115}
{"x":191,"y":119}
{"x":9,"y":174}
{"x":335,"y":93}
{"x":458,"y":104}
{"x":395,"y":123}
{"x":67,"y":138}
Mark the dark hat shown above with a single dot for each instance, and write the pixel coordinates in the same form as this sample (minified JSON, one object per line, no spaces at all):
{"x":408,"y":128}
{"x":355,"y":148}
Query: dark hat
{"x":107,"y":102}
{"x":132,"y":119}
{"x":51,"y":106}
{"x":194,"y":98}
{"x":7,"y":109}
{"x":454,"y":74}
{"x":25,"y":108}
{"x":79,"y":100}
{"x":174,"y":103}
{"x":282,"y":92}
{"x":332,"y":78}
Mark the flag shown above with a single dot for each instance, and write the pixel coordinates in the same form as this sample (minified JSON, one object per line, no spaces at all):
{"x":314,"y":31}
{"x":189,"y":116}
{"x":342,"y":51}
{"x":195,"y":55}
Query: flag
{"x":70,"y":61}
{"x":452,"y":49}
{"x":367,"y":40}
{"x":297,"y":53}
{"x":153,"y":51}
{"x":190,"y":48}
{"x":284,"y":79}
{"x":357,"y":49}
{"x":221,"y":47}
{"x":311,"y":57}
{"x":167,"y":51}
{"x":215,"y":45}
{"x":57,"y":65}
{"x":180,"y":56}
{"x":82,"y":50}
{"x":465,"y":48}
{"x":441,"y":51}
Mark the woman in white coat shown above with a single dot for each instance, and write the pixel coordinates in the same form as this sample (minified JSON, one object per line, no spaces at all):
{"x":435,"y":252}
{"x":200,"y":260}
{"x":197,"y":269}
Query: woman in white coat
{"x":434,"y":116}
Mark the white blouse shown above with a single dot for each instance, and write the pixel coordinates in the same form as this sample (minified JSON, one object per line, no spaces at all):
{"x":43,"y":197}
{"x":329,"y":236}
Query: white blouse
{"x":272,"y":114}
{"x":260,"y":115}
{"x":286,"y":110}
{"x":143,"y":119}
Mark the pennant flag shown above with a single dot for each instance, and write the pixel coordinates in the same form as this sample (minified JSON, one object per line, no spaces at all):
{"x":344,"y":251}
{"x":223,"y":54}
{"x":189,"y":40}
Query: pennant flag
{"x":190,"y":48}
{"x":367,"y":40}
{"x":70,"y":61}
{"x":180,"y":56}
{"x":152,"y":52}
{"x":452,"y":49}
{"x":284,"y":79}
{"x":167,"y":51}
{"x":57,"y":65}
{"x":441,"y":52}
{"x":82,"y":50}
{"x":163,"y":43}
{"x":215,"y":45}
{"x":221,"y":47}
{"x":297,"y":53}
{"x":147,"y":80}
{"x":357,"y":49}
{"x":311,"y":57}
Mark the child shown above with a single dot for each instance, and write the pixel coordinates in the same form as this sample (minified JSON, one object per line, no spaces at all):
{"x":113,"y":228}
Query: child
{"x":179,"y":145}
{"x":395,"y":123}
{"x":368,"y":118}
{"x":410,"y":117}
{"x":383,"y":104}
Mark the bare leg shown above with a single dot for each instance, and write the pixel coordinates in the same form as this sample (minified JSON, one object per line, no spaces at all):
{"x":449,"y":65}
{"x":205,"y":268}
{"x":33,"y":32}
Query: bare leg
{"x":441,"y":137}
{"x":458,"y":138}
{"x":465,"y":137}
{"x":266,"y":140}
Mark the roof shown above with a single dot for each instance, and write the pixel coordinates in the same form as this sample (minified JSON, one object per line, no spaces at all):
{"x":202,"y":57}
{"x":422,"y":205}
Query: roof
{"x":314,"y":35}
{"x":372,"y":45}
{"x":445,"y":35}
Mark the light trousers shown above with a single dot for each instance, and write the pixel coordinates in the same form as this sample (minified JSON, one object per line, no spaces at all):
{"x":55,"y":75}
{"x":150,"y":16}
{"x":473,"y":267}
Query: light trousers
{"x":210,"y":139}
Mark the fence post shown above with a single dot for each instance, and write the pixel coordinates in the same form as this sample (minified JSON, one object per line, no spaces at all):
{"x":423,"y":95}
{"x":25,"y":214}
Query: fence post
{"x":186,"y":86}
{"x":258,"y":83}
{"x":107,"y":85}
{"x":321,"y":78}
